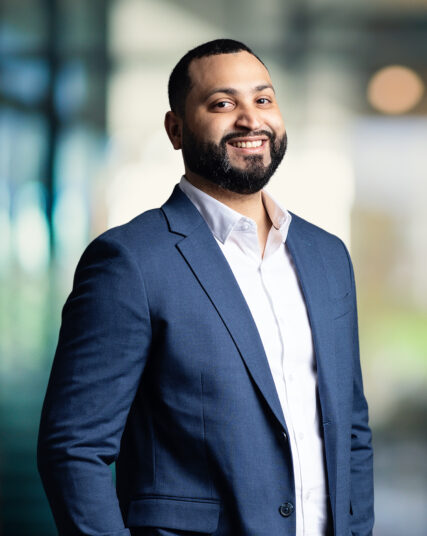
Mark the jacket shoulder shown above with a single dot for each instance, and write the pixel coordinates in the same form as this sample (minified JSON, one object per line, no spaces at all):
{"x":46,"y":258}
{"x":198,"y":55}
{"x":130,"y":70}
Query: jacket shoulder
{"x":141,"y":238}
{"x":315,"y":232}
{"x":148,"y":223}
{"x":142,"y":232}
{"x":332,"y":248}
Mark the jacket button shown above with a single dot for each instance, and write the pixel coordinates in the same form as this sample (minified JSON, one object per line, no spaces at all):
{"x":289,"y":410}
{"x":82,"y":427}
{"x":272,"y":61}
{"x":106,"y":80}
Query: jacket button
{"x":286,"y":509}
{"x":285,"y":436}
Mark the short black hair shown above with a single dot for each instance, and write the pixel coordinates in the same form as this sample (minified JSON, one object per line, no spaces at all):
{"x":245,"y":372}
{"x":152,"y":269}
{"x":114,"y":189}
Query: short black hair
{"x":180,"y":81}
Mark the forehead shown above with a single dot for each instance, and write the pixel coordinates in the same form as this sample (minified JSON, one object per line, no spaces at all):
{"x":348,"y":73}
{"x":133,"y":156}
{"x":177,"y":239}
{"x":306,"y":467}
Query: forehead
{"x":240,"y":70}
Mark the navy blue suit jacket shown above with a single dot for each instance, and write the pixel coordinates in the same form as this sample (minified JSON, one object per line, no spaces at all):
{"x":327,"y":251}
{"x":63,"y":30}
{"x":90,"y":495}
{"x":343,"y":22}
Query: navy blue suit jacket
{"x":160,"y":367}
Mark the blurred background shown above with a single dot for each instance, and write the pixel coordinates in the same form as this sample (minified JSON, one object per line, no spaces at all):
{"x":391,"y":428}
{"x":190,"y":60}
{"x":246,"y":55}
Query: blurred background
{"x":82,"y":148}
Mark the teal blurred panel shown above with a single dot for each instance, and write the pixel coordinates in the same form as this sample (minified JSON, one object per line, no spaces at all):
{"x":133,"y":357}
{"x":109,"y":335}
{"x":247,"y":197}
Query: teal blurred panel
{"x":23,"y":26}
{"x":52,"y":120}
{"x":24,"y":79}
{"x":24,"y":508}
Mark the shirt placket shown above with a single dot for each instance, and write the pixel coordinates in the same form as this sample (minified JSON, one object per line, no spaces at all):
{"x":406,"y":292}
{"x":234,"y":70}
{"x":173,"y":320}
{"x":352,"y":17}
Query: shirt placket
{"x":287,"y":389}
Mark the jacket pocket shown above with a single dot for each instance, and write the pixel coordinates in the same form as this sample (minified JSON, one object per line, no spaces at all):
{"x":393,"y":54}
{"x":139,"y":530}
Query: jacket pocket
{"x":198,"y":515}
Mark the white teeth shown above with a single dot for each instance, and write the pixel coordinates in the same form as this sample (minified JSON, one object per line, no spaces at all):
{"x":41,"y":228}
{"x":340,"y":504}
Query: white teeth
{"x":247,"y":144}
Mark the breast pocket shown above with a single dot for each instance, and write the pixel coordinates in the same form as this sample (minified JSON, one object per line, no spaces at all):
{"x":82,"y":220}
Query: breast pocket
{"x":175,"y":513}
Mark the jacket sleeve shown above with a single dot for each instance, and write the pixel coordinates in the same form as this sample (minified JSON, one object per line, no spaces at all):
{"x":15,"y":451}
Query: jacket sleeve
{"x":102,"y":349}
{"x":362,"y":485}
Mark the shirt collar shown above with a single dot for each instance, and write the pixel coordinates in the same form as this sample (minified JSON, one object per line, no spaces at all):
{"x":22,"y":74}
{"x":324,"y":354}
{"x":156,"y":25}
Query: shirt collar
{"x":222,"y":220}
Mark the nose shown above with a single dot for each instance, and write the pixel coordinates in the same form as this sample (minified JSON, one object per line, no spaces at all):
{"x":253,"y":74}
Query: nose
{"x":248,"y":118}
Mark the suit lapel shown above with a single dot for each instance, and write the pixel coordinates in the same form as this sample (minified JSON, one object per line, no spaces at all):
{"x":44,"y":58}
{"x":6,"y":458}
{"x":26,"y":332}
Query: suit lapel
{"x":211,"y":269}
{"x":311,"y":273}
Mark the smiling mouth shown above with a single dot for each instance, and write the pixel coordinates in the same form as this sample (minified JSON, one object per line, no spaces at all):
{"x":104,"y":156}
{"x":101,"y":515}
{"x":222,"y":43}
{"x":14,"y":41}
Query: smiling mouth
{"x":248,"y":144}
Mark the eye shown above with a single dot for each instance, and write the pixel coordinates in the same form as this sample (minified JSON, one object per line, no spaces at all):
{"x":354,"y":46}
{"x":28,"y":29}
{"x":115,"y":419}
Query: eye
{"x":222,"y":105}
{"x":263,"y":100}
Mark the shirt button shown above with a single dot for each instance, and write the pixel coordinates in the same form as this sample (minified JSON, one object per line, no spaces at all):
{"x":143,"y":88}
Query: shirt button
{"x":286,"y":509}
{"x":244,"y":226}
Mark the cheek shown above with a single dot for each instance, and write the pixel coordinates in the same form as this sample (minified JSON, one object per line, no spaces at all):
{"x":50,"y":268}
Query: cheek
{"x":275,"y":121}
{"x":209,"y":128}
{"x":208,"y":133}
{"x":218,"y":128}
{"x":221,"y":124}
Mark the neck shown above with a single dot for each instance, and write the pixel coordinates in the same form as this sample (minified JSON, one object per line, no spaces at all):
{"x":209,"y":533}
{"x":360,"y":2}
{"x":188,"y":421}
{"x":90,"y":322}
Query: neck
{"x":249,"y":205}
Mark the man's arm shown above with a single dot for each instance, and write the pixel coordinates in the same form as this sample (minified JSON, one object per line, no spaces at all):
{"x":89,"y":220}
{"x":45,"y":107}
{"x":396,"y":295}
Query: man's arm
{"x":102,"y":348}
{"x":362,"y":485}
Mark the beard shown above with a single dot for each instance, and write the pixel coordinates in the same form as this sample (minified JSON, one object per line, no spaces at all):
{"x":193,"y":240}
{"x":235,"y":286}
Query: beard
{"x":211,"y":161}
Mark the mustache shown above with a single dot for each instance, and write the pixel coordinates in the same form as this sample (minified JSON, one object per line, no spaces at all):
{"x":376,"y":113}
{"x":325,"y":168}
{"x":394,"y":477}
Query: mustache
{"x":234,"y":135}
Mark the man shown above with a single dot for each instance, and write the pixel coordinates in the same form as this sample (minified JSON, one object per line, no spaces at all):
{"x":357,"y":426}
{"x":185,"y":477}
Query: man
{"x":210,"y":347}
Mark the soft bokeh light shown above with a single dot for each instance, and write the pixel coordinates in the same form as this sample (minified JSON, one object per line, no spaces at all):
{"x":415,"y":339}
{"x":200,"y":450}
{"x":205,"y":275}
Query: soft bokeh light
{"x":395,"y":89}
{"x":30,"y":233}
{"x":6,"y":229}
{"x":70,"y":218}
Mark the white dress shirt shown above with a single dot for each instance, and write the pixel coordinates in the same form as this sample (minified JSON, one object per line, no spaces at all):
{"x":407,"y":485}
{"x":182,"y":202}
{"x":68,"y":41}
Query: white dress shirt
{"x":270,"y":286}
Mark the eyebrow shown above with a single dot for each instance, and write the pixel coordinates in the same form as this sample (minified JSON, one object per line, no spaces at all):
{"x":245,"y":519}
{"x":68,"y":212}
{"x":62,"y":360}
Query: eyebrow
{"x":232,"y":91}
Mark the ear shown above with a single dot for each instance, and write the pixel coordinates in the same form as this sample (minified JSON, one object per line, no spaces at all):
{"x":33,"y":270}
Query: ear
{"x":173,"y":126}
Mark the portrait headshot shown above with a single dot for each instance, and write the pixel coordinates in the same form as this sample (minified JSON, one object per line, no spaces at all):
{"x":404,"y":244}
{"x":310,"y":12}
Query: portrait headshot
{"x":210,"y":347}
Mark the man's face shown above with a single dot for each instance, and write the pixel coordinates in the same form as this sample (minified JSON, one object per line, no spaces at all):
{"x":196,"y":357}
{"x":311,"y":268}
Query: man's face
{"x":233,"y":133}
